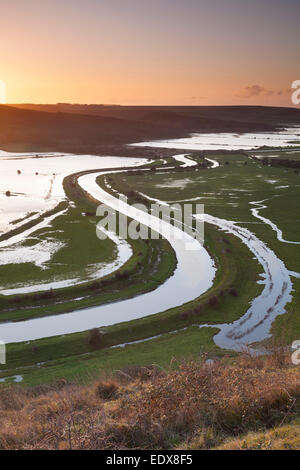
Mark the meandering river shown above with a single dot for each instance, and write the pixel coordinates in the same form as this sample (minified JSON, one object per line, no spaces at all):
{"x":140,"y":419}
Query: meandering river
{"x":193,"y":275}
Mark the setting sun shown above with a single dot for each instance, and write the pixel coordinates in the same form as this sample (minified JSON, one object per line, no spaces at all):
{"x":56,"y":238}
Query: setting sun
{"x":2,"y":92}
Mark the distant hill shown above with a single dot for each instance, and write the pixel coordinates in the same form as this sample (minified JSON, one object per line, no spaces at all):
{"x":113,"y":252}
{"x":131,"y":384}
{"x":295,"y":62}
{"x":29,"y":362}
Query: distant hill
{"x":250,"y":114}
{"x":107,"y":128}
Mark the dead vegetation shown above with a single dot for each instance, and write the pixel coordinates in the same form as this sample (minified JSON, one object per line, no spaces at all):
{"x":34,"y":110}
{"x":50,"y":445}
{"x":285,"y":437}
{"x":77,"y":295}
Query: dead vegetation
{"x":199,"y":405}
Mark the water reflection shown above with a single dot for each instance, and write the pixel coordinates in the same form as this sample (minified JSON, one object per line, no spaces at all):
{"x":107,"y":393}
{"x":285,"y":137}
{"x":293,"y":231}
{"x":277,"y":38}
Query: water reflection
{"x":193,"y":275}
{"x":230,"y":141}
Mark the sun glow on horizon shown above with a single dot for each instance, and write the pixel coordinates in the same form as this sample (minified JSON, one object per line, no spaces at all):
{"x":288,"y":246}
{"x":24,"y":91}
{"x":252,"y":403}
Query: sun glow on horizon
{"x":2,"y":92}
{"x":191,"y":53}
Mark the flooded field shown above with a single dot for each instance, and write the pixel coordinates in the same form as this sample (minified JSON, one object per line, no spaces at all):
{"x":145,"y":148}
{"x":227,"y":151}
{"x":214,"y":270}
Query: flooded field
{"x":289,"y":137}
{"x":35,"y":185}
{"x":243,"y":199}
{"x":35,"y":182}
{"x":193,"y":275}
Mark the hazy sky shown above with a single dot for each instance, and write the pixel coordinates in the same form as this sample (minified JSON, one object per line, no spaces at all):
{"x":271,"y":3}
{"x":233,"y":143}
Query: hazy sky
{"x":150,"y":51}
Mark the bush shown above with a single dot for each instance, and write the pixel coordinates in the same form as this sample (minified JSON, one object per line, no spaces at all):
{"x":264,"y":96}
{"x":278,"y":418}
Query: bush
{"x":197,"y":310}
{"x":107,"y":390}
{"x":122,"y":275}
{"x":195,"y":406}
{"x":184,"y":316}
{"x":48,"y":294}
{"x":233,"y":292}
{"x":213,"y":301}
{"x":95,"y":285}
{"x":95,"y":338}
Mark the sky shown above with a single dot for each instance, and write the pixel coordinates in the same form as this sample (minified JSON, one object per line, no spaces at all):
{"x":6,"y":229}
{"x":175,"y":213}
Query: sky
{"x":184,"y":52}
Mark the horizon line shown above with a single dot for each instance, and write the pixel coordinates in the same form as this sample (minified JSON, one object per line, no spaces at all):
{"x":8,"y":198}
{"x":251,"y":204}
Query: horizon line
{"x":152,"y":105}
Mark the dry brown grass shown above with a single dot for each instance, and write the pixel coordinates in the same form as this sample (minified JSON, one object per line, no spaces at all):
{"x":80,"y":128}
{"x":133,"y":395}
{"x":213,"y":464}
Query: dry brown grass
{"x":281,"y":438}
{"x":195,"y":406}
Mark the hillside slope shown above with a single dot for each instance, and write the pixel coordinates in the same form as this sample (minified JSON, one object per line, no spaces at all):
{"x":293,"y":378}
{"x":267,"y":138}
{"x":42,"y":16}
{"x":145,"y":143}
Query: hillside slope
{"x":196,"y":406}
{"x":267,"y":115}
{"x":107,"y":129}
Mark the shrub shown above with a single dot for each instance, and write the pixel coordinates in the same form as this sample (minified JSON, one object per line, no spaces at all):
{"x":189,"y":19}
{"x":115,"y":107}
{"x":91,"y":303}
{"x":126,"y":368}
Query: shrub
{"x":48,"y":294}
{"x":95,"y":285}
{"x":195,"y":406}
{"x":122,"y":275}
{"x":95,"y":338}
{"x":107,"y":390}
{"x":197,"y":310}
{"x":233,"y":292}
{"x":213,"y":301}
{"x":184,"y":315}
